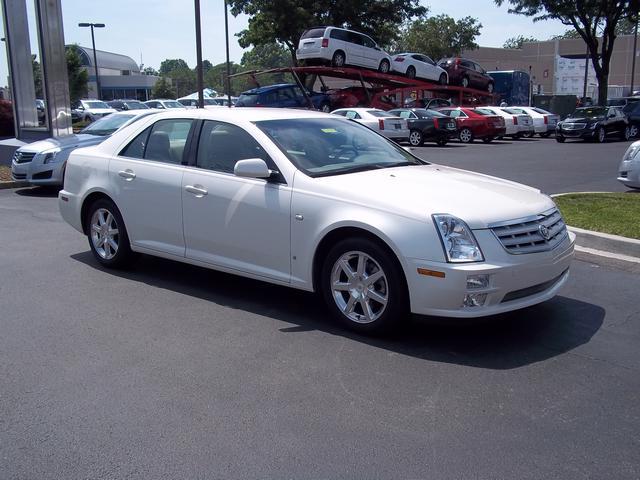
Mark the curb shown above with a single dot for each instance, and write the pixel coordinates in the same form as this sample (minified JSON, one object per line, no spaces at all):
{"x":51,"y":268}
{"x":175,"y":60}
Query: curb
{"x":606,"y":242}
{"x":5,"y":185}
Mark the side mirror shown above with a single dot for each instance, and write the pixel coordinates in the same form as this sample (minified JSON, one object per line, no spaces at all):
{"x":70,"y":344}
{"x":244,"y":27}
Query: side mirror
{"x":252,"y":168}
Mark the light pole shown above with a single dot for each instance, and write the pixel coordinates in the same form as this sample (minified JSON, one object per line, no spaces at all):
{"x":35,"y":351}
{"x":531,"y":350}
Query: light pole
{"x":226,"y":39}
{"x":95,"y":57}
{"x":633,"y":64}
{"x":199,"y":72}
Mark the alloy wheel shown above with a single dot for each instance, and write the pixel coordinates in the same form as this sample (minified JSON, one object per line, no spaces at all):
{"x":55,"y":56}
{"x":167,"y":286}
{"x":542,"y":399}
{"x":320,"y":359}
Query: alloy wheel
{"x":105,"y":235}
{"x":359,"y":287}
{"x":465,"y":135}
{"x":627,"y":133}
{"x":415,"y":138}
{"x":633,"y":131}
{"x":601,"y":135}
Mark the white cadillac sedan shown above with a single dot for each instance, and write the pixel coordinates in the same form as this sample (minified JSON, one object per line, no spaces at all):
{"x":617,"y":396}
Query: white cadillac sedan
{"x":319,"y":203}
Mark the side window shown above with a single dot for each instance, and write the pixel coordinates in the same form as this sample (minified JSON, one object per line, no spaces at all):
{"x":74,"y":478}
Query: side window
{"x":135,"y":149}
{"x":355,"y":38}
{"x":454,"y":113}
{"x":339,"y":35}
{"x":367,"y":42}
{"x":412,"y":115}
{"x":353,"y":115}
{"x":221,"y":145}
{"x":467,"y":64}
{"x":286,"y":94}
{"x":341,"y":113}
{"x":164,"y":141}
{"x":461,"y":114}
{"x":404,"y":114}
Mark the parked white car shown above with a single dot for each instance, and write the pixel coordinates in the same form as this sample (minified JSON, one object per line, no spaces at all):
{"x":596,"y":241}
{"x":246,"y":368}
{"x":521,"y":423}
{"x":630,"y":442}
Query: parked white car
{"x":90,"y":110}
{"x":340,"y":47}
{"x":516,"y":126}
{"x":417,"y":65}
{"x":319,"y":203}
{"x":44,"y":162}
{"x":163,"y":104}
{"x":544,"y":123}
{"x":629,"y":169}
{"x":385,"y":123}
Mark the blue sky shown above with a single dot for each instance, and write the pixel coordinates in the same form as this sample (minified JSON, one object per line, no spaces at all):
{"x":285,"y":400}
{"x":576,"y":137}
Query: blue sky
{"x":159,"y":29}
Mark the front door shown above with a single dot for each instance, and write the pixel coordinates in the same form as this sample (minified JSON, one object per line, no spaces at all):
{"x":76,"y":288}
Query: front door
{"x":241,"y":224}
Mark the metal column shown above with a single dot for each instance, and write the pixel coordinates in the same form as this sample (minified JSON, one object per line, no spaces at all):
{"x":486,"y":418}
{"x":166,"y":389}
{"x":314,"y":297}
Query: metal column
{"x":55,"y":80}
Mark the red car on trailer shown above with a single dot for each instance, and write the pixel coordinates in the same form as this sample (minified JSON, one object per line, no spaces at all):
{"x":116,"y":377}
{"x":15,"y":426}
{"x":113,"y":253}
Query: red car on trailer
{"x":472,"y":124}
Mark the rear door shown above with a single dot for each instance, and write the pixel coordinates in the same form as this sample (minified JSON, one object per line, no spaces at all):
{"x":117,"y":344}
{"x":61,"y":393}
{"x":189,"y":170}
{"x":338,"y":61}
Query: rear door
{"x":372,"y":55}
{"x":355,"y":46}
{"x":146,"y":178}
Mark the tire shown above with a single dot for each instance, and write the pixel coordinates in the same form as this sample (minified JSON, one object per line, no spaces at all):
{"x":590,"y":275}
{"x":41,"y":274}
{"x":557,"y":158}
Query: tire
{"x":626,"y":134}
{"x":360,"y":305}
{"x":487,"y":139}
{"x":545,"y":135}
{"x":416,"y":139}
{"x":490,"y":88}
{"x":601,"y":135}
{"x":102,"y":218}
{"x":441,"y":142}
{"x":465,"y":82}
{"x":560,"y":139}
{"x":411,"y":72}
{"x":339,"y":59}
{"x":465,"y":135}
{"x":325,"y":107}
{"x":384,"y":66}
{"x":443,"y":79}
{"x":528,"y":135}
{"x":633,"y":131}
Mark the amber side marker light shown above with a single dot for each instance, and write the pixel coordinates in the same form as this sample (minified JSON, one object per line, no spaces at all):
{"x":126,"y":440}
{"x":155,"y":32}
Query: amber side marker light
{"x":430,"y":273}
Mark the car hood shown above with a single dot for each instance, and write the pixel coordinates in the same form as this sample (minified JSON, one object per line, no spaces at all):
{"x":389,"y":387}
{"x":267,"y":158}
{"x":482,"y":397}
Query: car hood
{"x":583,"y":120}
{"x":65,"y":142}
{"x":420,"y":191}
{"x":100,"y":110}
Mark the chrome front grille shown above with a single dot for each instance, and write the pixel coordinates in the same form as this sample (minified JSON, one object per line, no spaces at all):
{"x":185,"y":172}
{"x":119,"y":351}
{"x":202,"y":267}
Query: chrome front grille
{"x":573,"y":126}
{"x":23,"y":157}
{"x":532,"y":235}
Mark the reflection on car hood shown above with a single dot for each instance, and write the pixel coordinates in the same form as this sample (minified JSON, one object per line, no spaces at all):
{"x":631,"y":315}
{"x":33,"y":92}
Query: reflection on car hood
{"x":420,"y":191}
{"x":65,"y":142}
{"x":583,"y":120}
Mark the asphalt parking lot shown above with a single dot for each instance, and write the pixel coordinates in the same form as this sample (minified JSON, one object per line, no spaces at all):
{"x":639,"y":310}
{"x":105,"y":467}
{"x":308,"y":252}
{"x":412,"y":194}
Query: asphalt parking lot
{"x":172,"y":371}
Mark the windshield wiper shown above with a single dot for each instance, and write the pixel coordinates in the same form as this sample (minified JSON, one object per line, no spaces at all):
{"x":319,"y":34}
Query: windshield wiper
{"x":364,"y":168}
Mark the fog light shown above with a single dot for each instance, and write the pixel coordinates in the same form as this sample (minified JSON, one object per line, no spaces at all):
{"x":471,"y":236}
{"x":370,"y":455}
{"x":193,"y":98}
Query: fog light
{"x":475,"y":282}
{"x":474,"y":299}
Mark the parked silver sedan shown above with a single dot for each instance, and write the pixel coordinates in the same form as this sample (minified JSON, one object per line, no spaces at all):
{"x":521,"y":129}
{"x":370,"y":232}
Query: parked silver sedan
{"x":629,"y":170}
{"x":44,"y":162}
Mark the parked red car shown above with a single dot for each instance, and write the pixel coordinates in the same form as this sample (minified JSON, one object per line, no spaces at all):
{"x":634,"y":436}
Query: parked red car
{"x":467,"y":73}
{"x":350,"y":97}
{"x":472,"y":125}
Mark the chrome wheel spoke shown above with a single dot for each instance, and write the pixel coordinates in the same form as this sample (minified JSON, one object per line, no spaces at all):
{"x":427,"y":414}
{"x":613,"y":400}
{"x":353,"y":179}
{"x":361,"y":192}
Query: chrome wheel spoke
{"x":341,"y":286}
{"x":377,"y":297}
{"x":366,"y":310}
{"x":350,"y":305}
{"x":113,"y":231}
{"x":374,"y":277}
{"x":346,"y":268}
{"x":361,"y":264}
{"x":111,"y":242}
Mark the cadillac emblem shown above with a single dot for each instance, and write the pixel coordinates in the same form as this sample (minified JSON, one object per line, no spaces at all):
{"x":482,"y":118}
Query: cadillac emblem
{"x":544,"y":231}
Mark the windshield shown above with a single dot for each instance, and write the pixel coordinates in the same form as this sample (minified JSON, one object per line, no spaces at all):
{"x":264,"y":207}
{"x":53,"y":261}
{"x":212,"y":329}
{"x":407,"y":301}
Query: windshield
{"x":327,"y":146}
{"x":173,"y":104}
{"x":313,"y":33}
{"x":589,"y":112}
{"x":514,"y":111}
{"x":379,"y":113}
{"x":95,"y":104}
{"x":107,"y":125}
{"x":616,"y":102}
{"x":430,"y":113}
{"x":541,"y":111}
{"x":136,"y":105}
{"x":247,"y":99}
{"x":631,"y":106}
{"x":483,"y":111}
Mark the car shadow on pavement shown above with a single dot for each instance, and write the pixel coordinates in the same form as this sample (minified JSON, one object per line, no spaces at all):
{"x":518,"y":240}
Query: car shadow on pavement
{"x":500,"y":342}
{"x":50,"y":192}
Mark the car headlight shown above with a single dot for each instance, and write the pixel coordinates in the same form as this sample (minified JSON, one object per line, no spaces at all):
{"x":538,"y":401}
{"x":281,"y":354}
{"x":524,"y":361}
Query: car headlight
{"x":51,"y":156}
{"x":458,"y":241}
{"x":593,"y":126}
{"x":631,"y":152}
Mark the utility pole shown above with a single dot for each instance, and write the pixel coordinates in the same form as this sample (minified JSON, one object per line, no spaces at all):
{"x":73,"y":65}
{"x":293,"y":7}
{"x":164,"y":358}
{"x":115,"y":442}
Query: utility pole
{"x":633,"y":63}
{"x":586,"y":74}
{"x":95,"y":57}
{"x":226,"y":37}
{"x":199,"y":73}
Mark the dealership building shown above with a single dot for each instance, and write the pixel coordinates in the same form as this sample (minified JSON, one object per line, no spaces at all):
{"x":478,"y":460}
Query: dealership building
{"x":120,"y":76}
{"x":558,"y":66}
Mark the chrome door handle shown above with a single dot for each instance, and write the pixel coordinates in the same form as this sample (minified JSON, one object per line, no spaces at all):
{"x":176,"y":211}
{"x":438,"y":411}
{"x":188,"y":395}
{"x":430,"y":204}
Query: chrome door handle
{"x":127,"y":174}
{"x":198,"y":190}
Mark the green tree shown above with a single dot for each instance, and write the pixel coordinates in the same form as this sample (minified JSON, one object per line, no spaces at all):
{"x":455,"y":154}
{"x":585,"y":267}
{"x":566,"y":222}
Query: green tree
{"x":78,"y":75}
{"x":37,"y":77}
{"x":283,"y":21}
{"x":571,"y":33}
{"x":594,"y":20}
{"x":269,"y":55}
{"x":517,"y":42}
{"x":150,"y":71}
{"x":162,"y":89}
{"x":171,"y":64}
{"x":440,"y":36}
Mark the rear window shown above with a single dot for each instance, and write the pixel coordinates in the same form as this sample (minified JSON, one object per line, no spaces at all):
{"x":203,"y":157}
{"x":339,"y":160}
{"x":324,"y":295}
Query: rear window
{"x":430,"y":113}
{"x":483,"y":111}
{"x":541,"y":111}
{"x":313,"y":33}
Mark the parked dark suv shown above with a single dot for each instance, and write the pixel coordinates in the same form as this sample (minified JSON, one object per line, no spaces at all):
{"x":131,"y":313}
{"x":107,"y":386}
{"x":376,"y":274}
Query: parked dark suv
{"x":466,"y":73}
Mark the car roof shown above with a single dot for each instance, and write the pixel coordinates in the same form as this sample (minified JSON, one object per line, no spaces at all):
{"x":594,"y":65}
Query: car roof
{"x":243,"y":113}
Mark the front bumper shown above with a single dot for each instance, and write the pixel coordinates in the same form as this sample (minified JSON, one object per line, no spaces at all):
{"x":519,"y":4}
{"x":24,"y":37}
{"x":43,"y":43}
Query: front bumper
{"x":396,"y":134}
{"x":516,"y":281}
{"x":629,"y":174}
{"x":36,"y":172}
{"x":575,"y":133}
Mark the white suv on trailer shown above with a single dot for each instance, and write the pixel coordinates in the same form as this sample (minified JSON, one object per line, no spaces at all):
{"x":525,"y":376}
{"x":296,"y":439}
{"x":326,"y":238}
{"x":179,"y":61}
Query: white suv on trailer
{"x":340,"y":47}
